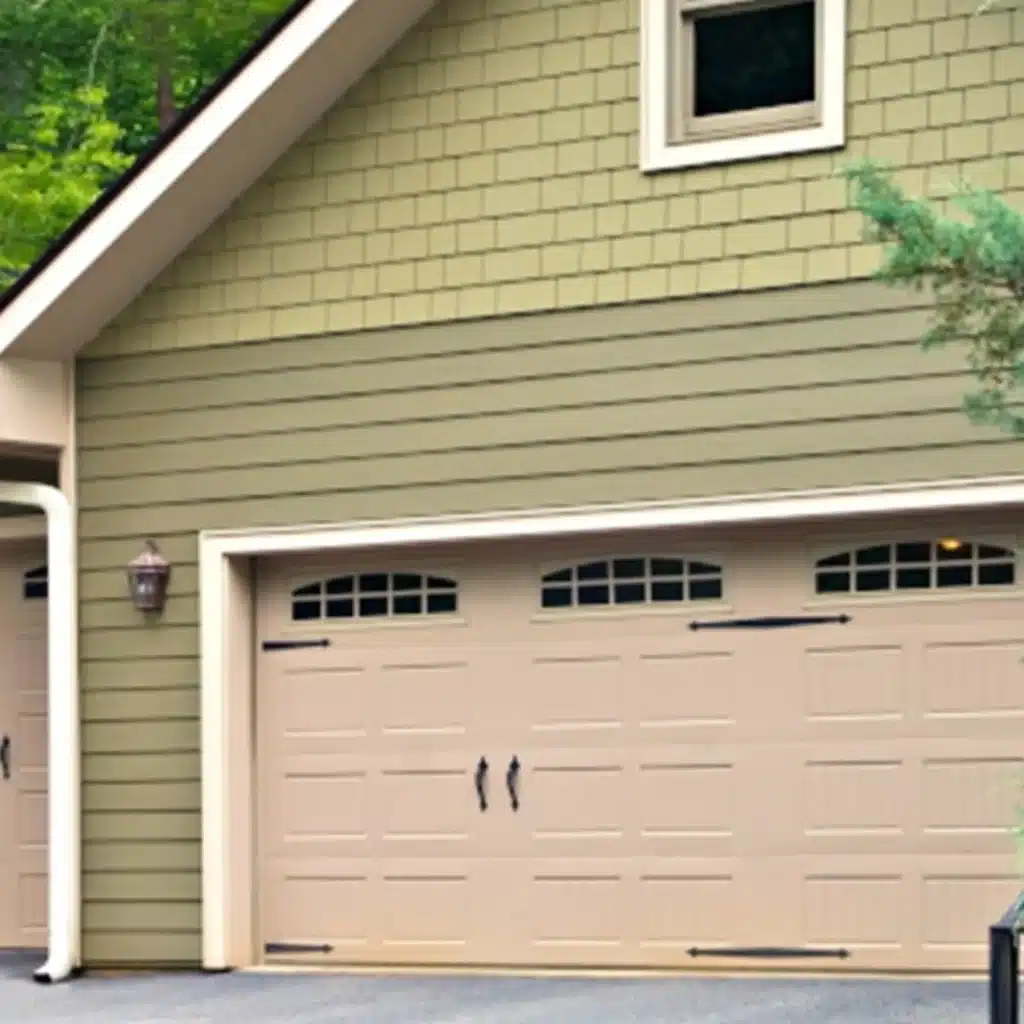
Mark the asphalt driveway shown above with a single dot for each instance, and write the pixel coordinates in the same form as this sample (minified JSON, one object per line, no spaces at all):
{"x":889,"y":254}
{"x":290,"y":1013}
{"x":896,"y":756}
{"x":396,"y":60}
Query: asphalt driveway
{"x":331,"y":999}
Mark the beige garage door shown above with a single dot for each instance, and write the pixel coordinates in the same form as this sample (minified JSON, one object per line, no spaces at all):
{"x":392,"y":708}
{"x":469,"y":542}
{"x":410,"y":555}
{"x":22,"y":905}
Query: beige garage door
{"x":23,"y":591}
{"x":722,"y":750}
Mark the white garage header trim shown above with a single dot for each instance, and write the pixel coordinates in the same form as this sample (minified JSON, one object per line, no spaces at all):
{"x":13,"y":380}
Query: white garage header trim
{"x":224,"y":636}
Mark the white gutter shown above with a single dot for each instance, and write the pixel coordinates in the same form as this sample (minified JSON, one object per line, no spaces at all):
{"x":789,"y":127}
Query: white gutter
{"x":64,"y":852}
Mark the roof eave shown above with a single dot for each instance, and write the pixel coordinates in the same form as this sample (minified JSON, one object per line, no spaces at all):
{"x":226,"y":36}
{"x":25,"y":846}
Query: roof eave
{"x":320,"y":53}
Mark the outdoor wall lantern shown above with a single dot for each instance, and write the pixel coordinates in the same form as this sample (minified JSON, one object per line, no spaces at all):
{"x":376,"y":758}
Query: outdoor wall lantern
{"x":148,"y":576}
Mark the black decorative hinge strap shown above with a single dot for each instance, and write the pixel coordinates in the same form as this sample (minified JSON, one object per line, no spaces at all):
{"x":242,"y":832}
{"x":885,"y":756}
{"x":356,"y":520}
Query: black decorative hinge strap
{"x":771,"y":952}
{"x":296,"y":947}
{"x":293,"y":645}
{"x":774,"y":622}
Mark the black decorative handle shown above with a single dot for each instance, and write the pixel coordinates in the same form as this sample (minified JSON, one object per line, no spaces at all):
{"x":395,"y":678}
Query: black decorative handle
{"x":512,"y":781}
{"x":481,"y":783}
{"x":5,"y":756}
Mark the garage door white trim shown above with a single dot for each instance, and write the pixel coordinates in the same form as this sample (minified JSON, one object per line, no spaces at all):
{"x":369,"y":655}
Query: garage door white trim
{"x":225,"y":599}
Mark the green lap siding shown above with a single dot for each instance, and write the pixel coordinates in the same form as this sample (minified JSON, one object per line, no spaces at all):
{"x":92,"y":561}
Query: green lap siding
{"x":782,"y":390}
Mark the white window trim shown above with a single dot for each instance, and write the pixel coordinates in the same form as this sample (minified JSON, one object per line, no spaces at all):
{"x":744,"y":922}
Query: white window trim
{"x":657,"y":153}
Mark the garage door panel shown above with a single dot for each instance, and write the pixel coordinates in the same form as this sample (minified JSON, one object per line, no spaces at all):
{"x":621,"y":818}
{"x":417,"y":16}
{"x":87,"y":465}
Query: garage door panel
{"x":821,"y":787}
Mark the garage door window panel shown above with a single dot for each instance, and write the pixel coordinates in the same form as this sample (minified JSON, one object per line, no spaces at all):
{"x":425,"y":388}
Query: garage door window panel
{"x":630,"y":581}
{"x":373,"y":596}
{"x":35,"y":584}
{"x":915,"y":566}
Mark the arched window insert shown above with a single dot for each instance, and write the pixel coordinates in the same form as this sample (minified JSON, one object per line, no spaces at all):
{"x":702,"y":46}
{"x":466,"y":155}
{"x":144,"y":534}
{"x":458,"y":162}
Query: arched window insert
{"x":35,"y":584}
{"x":915,"y":566}
{"x":375,"y":595}
{"x":631,"y":581}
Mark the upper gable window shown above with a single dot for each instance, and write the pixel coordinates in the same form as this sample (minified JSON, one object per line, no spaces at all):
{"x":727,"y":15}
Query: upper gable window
{"x":632,"y":581}
{"x":375,"y":595}
{"x":35,"y":584}
{"x":915,"y":566}
{"x":726,"y":80}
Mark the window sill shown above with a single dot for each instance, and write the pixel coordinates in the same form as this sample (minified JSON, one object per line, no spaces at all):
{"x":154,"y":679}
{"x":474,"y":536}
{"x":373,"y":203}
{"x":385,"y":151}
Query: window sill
{"x":657,"y":156}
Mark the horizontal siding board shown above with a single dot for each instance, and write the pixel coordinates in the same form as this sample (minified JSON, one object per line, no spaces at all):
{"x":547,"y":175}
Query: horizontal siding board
{"x":683,"y":352}
{"x":580,"y":417}
{"x":130,"y":856}
{"x":137,"y":827}
{"x":142,"y":796}
{"x":139,"y":705}
{"x":152,"y":673}
{"x":181,"y":499}
{"x":949,"y":460}
{"x":172,"y":915}
{"x":639,"y":380}
{"x":128,"y":737}
{"x":167,"y":641}
{"x":827,"y":302}
{"x":167,"y":765}
{"x":141,"y":886}
{"x":181,"y":610}
{"x":122,"y":947}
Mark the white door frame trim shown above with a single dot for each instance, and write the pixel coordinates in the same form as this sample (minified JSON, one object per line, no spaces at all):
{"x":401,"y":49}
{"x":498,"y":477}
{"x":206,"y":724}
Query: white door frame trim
{"x":224,"y":583}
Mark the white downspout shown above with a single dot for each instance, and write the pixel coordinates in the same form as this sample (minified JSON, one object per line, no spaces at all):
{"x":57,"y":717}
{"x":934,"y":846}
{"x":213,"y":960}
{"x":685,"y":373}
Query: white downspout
{"x":64,"y":852}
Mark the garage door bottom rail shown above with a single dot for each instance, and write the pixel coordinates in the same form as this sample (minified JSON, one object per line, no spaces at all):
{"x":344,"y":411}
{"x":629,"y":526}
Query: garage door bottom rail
{"x":1004,"y":965}
{"x":770,"y":952}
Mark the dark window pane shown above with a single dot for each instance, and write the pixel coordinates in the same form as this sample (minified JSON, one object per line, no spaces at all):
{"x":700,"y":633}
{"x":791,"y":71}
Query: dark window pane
{"x":629,"y":568}
{"x":874,"y":556}
{"x":304,"y":611}
{"x":834,"y":560}
{"x":593,"y":571}
{"x":407,"y":581}
{"x":987,"y":551}
{"x":37,"y":590}
{"x":750,"y":60}
{"x":954,"y":575}
{"x":373,"y":583}
{"x":832,"y":583}
{"x":441,"y":604}
{"x":705,"y":590}
{"x":593,"y":594}
{"x":440,"y":583}
{"x":667,"y":591}
{"x":873,"y":580}
{"x":312,"y":590}
{"x":996,"y":575}
{"x":562,"y":576}
{"x":916,"y":552}
{"x":556,"y":597}
{"x":372,"y":607}
{"x":340,"y":608}
{"x":913,"y":579}
{"x":960,"y":553}
{"x":666,"y":567}
{"x":704,"y":569}
{"x":408,"y":604}
{"x":630,"y":593}
{"x":340,"y":585}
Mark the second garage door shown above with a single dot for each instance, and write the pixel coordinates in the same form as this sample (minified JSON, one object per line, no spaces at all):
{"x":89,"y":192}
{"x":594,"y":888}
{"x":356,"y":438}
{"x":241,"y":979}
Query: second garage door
{"x":658,"y":751}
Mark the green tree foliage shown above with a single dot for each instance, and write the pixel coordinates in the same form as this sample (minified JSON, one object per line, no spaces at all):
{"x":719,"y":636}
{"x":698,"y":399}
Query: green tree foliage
{"x":973,"y":264}
{"x":59,"y":169}
{"x":51,"y":48}
{"x":86,"y":85}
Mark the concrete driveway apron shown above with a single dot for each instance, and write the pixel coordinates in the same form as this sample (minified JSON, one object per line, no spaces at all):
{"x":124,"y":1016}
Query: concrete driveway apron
{"x":334,"y":999}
